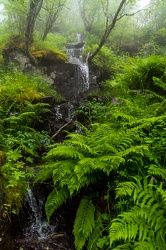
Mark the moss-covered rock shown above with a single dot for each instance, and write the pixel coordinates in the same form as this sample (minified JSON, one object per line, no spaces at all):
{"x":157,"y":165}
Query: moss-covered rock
{"x":47,"y":57}
{"x":42,"y":54}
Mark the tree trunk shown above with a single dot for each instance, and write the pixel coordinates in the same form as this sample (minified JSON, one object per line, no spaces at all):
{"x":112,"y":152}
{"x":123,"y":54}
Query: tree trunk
{"x":53,"y":14}
{"x":87,"y":24}
{"x":109,"y":28}
{"x":34,"y":9}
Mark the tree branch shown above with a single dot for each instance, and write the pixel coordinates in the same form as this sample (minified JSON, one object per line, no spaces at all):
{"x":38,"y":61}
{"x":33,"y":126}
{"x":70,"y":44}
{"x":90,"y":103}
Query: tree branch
{"x":132,"y":14}
{"x":59,"y":130}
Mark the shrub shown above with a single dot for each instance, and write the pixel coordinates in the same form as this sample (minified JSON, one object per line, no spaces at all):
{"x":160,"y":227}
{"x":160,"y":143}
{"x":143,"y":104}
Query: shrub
{"x":104,"y":61}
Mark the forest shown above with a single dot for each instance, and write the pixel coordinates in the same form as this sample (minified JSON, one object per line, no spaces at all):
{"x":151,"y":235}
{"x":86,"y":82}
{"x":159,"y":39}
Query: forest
{"x":110,"y":173}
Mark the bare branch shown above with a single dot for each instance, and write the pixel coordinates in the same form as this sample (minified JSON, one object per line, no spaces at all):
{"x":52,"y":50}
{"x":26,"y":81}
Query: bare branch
{"x":59,"y":130}
{"x":132,"y":14}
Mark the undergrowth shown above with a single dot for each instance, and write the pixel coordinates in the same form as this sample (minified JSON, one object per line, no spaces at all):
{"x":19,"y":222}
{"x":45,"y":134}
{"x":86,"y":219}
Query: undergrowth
{"x":116,"y":165}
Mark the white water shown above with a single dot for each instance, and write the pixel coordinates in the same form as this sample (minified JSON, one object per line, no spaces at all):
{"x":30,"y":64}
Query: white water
{"x":38,"y":227}
{"x":76,"y":58}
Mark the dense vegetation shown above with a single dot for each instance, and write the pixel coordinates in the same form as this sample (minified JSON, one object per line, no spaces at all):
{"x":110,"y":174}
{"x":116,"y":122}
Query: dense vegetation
{"x":113,"y":170}
{"x":117,"y":164}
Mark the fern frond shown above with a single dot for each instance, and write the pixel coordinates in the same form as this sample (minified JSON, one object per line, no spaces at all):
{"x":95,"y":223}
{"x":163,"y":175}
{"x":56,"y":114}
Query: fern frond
{"x":81,"y":142}
{"x":96,"y":233}
{"x":135,"y":149}
{"x":45,"y":173}
{"x":145,"y":223}
{"x":74,"y":185}
{"x":55,"y":199}
{"x":155,"y":170}
{"x":163,"y":194}
{"x":87,"y":165}
{"x":65,"y":152}
{"x":84,"y":222}
{"x":127,"y":246}
{"x":125,"y":188}
{"x":123,"y":116}
{"x":61,"y":170}
{"x":120,"y":230}
{"x":158,"y":82}
{"x":145,"y":246}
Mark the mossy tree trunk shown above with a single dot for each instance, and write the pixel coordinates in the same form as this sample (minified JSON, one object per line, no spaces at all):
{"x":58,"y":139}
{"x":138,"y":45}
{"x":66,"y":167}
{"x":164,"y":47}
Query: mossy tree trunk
{"x":34,"y":9}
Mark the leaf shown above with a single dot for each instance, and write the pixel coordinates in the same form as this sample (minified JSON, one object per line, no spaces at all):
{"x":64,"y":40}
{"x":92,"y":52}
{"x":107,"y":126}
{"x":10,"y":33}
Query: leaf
{"x":84,"y":222}
{"x":55,"y":199}
{"x":14,"y":155}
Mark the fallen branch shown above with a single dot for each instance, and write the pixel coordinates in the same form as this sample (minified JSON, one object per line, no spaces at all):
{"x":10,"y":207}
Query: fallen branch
{"x":59,"y":130}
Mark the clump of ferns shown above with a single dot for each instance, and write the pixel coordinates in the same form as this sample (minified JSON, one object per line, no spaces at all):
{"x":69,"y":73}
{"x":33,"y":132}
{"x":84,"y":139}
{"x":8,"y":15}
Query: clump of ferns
{"x":143,"y":226}
{"x":81,"y":161}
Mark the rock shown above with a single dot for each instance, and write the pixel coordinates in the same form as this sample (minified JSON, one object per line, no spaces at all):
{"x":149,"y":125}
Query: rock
{"x":66,"y":78}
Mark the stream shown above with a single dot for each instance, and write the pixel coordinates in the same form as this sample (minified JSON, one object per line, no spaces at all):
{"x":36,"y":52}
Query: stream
{"x":38,"y":233}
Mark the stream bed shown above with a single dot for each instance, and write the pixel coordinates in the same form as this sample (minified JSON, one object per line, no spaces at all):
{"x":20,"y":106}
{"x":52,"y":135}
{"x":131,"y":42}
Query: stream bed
{"x":34,"y":232}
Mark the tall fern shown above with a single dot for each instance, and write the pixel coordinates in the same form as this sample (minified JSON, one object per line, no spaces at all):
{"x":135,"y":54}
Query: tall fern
{"x":144,"y":226}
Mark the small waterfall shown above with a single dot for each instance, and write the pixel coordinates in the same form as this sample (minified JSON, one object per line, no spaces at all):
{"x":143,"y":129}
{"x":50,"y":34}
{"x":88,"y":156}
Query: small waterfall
{"x":38,"y":234}
{"x":58,"y":114}
{"x":38,"y":228}
{"x":74,"y":51}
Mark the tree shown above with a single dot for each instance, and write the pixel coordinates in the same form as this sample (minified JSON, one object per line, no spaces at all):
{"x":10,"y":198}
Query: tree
{"x":16,"y":13}
{"x":90,"y":13}
{"x":53,"y":9}
{"x":34,"y":9}
{"x":111,"y":16}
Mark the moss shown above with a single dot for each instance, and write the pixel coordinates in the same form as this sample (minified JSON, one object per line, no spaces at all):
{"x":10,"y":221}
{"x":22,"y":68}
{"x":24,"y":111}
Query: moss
{"x":28,"y":94}
{"x":44,"y":55}
{"x":2,"y":158}
{"x":16,"y":42}
{"x":47,"y":57}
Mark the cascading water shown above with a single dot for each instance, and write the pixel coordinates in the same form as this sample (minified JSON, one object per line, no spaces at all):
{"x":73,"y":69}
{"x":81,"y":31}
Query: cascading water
{"x":74,"y":51}
{"x":38,"y":233}
{"x":38,"y":227}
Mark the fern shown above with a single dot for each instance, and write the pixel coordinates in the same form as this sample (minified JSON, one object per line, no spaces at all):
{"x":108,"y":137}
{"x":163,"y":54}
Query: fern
{"x":84,"y":222}
{"x":55,"y":199}
{"x":65,"y":151}
{"x":145,"y":222}
{"x":125,"y":188}
{"x":96,"y":233}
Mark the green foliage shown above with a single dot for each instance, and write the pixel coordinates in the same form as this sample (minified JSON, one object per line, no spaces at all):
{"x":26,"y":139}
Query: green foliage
{"x":96,"y":240}
{"x":18,"y":87}
{"x":84,"y":159}
{"x":104,"y":61}
{"x":84,"y":222}
{"x":52,"y":42}
{"x":125,"y":139}
{"x":50,"y":51}
{"x":15,"y":174}
{"x":20,"y":143}
{"x":144,"y":225}
{"x":142,"y":74}
{"x":3,"y":40}
{"x":92,"y":111}
{"x":55,"y":199}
